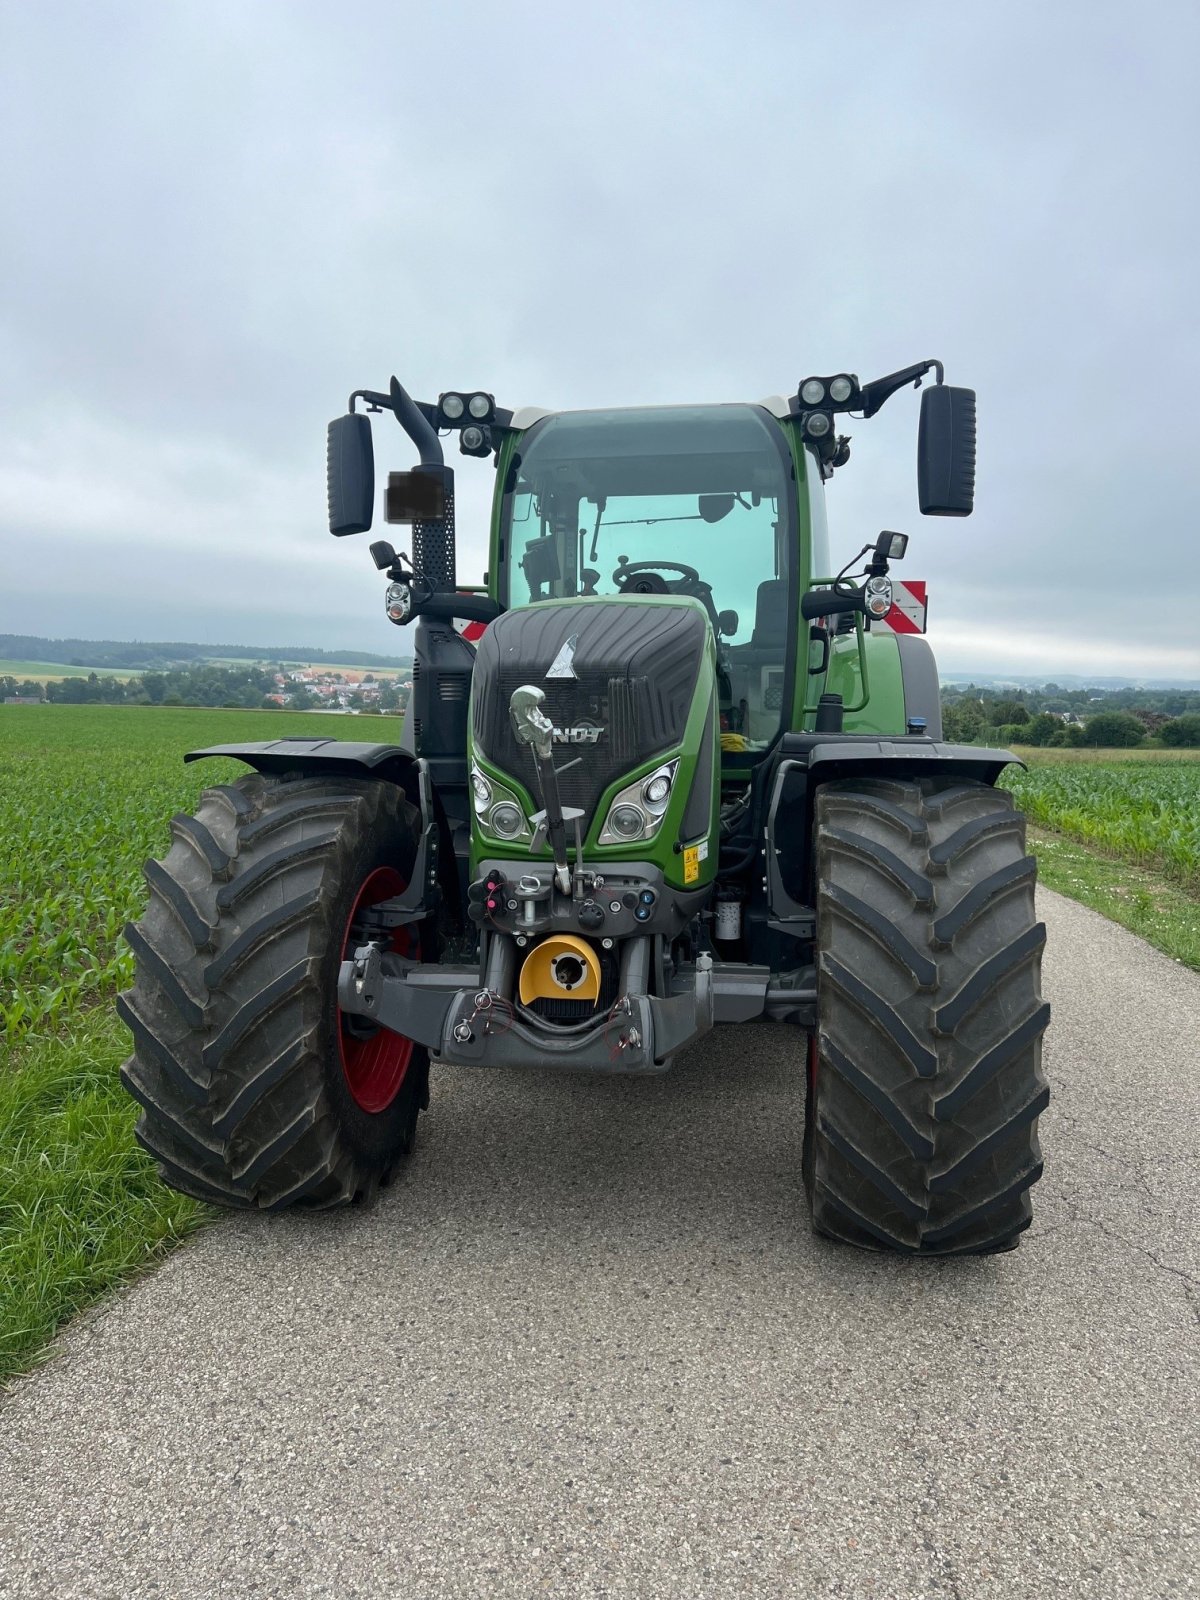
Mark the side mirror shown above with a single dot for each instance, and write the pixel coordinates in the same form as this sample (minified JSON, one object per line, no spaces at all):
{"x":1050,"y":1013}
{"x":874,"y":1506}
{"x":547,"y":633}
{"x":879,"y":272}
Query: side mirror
{"x":727,"y":622}
{"x":350,"y":474}
{"x":946,"y":452}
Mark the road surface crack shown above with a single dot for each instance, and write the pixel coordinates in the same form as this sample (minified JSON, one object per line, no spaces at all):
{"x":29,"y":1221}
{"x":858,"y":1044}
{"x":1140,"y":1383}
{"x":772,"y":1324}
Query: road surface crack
{"x":1191,"y":1285}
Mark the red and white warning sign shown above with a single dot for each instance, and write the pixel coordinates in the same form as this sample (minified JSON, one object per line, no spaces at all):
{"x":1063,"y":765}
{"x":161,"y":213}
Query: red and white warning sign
{"x":909,"y":607}
{"x":472,"y":632}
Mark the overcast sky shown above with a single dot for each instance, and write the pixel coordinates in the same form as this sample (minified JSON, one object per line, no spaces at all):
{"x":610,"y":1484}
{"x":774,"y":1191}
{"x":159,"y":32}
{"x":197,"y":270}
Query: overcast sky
{"x":218,"y":219}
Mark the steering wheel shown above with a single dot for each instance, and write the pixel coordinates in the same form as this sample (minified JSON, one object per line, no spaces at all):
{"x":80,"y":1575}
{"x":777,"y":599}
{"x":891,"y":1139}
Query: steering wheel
{"x":643,"y":577}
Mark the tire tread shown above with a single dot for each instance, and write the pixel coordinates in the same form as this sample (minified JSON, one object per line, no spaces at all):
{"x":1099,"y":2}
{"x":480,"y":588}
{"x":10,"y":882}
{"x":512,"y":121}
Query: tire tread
{"x":922,"y":1131}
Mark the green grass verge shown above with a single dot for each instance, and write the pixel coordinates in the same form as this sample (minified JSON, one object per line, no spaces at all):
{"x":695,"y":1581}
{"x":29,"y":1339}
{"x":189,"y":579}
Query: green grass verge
{"x":1158,"y":911}
{"x":81,"y":1208}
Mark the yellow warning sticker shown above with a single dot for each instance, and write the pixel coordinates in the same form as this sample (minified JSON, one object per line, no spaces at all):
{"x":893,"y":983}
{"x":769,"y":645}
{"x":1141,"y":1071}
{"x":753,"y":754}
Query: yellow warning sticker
{"x":691,"y":862}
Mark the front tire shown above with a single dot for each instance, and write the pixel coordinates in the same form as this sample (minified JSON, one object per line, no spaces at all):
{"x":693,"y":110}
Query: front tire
{"x":256,"y":1090}
{"x":925,"y":1080}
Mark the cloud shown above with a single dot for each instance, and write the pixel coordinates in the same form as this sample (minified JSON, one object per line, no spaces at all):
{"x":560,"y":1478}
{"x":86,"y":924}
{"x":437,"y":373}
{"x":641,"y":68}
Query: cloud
{"x":227,"y":217}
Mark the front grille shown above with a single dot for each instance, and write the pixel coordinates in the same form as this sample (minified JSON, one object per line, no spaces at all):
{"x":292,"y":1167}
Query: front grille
{"x":585,"y":770}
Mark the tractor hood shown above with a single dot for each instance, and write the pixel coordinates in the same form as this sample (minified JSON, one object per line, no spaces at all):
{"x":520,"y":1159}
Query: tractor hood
{"x":621,"y":679}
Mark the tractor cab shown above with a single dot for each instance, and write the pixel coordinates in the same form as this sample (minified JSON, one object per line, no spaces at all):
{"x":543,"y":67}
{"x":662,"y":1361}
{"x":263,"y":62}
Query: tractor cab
{"x":672,"y":500}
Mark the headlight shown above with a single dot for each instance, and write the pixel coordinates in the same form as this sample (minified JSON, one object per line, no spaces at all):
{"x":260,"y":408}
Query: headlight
{"x":452,"y":406}
{"x":812,"y":391}
{"x":398,"y":602}
{"x":506,"y":821}
{"x":840,"y":389}
{"x":656,"y":790}
{"x":498,"y":812}
{"x":480,"y":406}
{"x":879,"y":596}
{"x":629,"y":822}
{"x":817,"y":424}
{"x":637,"y":810}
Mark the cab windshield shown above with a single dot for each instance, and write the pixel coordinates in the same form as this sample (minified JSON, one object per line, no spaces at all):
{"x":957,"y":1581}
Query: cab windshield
{"x":690,"y":500}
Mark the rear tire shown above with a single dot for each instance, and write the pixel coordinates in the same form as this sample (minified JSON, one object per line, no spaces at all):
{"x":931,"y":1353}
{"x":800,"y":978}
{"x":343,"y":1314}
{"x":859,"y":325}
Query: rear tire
{"x":926,"y":1081}
{"x":256,"y":1091}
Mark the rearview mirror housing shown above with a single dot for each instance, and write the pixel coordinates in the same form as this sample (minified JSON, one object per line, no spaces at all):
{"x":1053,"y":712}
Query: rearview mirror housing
{"x":350,"y":474}
{"x":714,"y":507}
{"x":946,"y":452}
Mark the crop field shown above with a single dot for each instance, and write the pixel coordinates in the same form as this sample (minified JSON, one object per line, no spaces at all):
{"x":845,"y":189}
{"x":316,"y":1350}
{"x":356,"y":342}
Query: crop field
{"x":1144,"y":811}
{"x":55,"y":671}
{"x":85,"y":796}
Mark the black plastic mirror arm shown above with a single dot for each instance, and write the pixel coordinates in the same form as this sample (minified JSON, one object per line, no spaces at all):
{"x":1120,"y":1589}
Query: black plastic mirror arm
{"x":411,"y":417}
{"x":875,"y":393}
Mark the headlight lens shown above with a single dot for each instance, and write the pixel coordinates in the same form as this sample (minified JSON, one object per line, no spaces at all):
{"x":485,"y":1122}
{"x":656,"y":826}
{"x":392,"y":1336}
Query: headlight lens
{"x":479,"y":406}
{"x":498,"y":812}
{"x":452,"y":406}
{"x":841,"y":389}
{"x":627,"y":822}
{"x":812,"y":391}
{"x":398,"y":602}
{"x":506,"y":820}
{"x":655,"y":792}
{"x":879,"y":596}
{"x":637,"y":810}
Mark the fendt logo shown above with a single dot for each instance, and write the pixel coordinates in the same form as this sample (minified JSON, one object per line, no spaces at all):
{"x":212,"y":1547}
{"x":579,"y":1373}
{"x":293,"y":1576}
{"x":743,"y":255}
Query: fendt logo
{"x":584,"y":733}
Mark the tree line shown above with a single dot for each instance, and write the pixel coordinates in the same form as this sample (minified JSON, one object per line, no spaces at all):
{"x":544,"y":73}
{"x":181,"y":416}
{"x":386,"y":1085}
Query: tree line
{"x":248,"y":687}
{"x":1074,"y":718}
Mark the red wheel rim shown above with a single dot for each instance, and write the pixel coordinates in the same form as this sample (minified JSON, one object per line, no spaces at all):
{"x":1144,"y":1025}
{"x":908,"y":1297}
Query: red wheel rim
{"x":375,"y":1063}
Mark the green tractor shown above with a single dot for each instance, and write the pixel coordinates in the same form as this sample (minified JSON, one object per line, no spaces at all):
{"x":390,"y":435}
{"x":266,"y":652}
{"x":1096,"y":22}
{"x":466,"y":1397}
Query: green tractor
{"x":684,"y":775}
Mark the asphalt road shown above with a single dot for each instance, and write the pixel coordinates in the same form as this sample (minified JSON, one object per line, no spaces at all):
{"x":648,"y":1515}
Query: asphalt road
{"x":588,"y":1346}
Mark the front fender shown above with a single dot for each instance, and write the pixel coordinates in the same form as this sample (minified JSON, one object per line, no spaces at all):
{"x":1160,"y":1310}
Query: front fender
{"x":322,"y":758}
